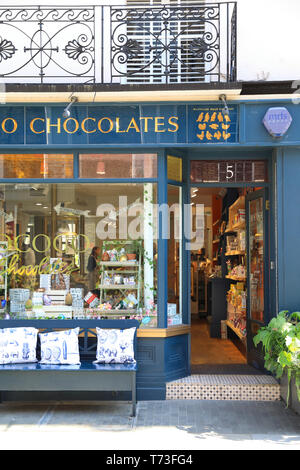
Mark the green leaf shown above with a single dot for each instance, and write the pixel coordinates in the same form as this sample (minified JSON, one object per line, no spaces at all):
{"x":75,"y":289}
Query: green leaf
{"x":285,"y":359}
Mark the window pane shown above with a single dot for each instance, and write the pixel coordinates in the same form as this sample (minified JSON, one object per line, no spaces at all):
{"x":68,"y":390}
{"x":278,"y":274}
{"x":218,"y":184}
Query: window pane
{"x":36,"y":166}
{"x":49,"y":267}
{"x":229,"y":171}
{"x":174,"y":168}
{"x":174,"y":256}
{"x":117,"y":165}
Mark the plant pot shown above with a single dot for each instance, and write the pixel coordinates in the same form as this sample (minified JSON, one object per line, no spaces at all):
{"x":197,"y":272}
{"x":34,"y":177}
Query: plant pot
{"x":131,"y":256}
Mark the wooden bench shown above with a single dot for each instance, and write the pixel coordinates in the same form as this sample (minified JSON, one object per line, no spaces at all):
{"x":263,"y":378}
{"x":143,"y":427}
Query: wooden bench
{"x":84,"y":377}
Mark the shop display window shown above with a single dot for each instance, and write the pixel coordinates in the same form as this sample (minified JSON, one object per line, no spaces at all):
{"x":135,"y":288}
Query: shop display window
{"x":116,"y":165}
{"x":42,"y":166}
{"x":79,"y":250}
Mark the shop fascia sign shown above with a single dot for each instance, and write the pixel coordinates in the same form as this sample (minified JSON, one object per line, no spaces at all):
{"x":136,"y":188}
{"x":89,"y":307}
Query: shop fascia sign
{"x":277,"y":120}
{"x":136,"y":124}
{"x":90,"y":124}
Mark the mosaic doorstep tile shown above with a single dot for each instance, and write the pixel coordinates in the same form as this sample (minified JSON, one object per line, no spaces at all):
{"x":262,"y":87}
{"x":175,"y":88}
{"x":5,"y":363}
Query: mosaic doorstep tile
{"x":252,"y":388}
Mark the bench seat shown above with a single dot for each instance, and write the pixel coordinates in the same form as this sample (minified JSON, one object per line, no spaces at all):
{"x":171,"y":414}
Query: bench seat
{"x":84,"y":377}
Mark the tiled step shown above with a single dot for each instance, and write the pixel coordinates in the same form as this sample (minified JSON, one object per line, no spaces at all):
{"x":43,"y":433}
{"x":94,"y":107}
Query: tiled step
{"x":224,"y":387}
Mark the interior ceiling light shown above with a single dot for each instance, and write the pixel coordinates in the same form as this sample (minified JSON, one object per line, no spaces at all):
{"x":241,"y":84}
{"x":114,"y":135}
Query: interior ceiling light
{"x":100,"y":168}
{"x":66,"y":111}
{"x":225,"y":109}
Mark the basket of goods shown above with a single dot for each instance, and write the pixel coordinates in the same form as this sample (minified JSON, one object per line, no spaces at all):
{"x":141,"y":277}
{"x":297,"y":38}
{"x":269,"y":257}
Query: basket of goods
{"x":105,"y":256}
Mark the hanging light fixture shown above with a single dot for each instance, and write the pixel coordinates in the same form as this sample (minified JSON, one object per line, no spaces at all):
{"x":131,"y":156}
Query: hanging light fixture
{"x":225,"y":109}
{"x":66,"y":112}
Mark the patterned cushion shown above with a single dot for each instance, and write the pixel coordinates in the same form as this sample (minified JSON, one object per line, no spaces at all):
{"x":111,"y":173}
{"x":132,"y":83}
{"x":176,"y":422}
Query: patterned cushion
{"x":115,"y":346}
{"x":60,"y":347}
{"x":18,"y":345}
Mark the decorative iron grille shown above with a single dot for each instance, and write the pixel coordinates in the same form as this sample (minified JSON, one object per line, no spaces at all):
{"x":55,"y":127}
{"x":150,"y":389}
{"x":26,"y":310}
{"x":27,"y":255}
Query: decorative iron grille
{"x":47,"y":44}
{"x":180,"y":43}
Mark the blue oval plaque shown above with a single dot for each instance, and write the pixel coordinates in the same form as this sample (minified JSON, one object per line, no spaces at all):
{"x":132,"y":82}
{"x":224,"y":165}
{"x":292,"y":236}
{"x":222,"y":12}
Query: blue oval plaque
{"x":277,"y":121}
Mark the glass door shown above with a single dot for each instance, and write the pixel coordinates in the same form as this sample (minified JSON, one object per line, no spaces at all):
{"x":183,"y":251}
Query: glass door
{"x":257,"y":261}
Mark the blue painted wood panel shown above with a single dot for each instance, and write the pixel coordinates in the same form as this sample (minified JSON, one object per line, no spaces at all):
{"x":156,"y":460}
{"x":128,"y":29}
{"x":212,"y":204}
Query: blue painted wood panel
{"x":288,"y":246}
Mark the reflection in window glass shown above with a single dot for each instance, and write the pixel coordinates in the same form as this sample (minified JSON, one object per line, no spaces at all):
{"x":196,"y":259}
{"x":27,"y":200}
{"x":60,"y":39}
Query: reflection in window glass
{"x":36,"y":166}
{"x":174,"y":256}
{"x":117,"y":165}
{"x":78,"y":251}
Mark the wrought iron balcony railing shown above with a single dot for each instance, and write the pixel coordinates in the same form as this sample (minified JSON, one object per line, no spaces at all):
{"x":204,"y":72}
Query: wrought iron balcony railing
{"x":118,"y":44}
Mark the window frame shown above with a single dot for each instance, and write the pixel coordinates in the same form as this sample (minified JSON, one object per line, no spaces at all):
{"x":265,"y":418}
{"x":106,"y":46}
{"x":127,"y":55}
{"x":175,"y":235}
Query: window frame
{"x":160,"y":185}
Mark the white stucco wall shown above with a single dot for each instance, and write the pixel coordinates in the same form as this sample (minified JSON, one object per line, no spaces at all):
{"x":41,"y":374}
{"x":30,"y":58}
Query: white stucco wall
{"x":268,"y":38}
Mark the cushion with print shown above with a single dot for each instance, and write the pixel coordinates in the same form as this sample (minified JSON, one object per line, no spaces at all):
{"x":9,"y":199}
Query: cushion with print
{"x":18,"y":345}
{"x":115,"y":346}
{"x":60,"y":347}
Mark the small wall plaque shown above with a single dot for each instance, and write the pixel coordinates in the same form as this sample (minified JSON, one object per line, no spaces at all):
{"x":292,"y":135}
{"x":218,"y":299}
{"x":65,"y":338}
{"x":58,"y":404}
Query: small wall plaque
{"x":277,"y":121}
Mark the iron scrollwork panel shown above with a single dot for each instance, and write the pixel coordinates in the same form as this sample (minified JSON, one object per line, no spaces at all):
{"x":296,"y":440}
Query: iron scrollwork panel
{"x":177,"y":43}
{"x":47,"y":43}
{"x":113,"y":44}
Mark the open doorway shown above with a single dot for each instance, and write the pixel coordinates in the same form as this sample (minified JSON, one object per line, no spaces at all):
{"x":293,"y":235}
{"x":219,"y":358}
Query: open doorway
{"x":227,"y":276}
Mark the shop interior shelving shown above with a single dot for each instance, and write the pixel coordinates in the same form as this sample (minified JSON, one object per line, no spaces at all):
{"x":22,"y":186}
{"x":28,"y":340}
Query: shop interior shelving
{"x":234,"y":227}
{"x":120,"y":268}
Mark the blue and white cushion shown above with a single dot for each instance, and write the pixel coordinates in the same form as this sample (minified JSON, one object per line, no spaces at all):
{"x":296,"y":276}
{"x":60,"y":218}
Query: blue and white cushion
{"x":18,"y":345}
{"x":60,"y":347}
{"x":115,"y":346}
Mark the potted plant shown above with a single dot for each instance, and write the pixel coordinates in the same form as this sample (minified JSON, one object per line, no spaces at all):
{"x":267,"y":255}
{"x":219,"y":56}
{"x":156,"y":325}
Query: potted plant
{"x":281,"y":345}
{"x":133,"y":249}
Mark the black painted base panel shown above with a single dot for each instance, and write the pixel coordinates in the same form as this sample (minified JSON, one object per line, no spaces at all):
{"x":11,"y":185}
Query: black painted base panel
{"x":155,"y":393}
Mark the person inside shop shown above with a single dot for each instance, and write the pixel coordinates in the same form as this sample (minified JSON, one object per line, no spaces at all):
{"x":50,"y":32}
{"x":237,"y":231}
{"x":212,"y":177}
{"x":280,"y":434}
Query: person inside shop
{"x":205,"y":263}
{"x":92,"y":270}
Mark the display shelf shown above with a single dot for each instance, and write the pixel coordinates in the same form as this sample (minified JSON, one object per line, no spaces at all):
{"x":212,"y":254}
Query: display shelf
{"x":235,"y":253}
{"x":236,"y":278}
{"x":237,"y":331}
{"x":118,"y":286}
{"x":119,"y":263}
{"x":109,"y":284}
{"x":239,"y":226}
{"x":114,"y":311}
{"x":238,"y":205}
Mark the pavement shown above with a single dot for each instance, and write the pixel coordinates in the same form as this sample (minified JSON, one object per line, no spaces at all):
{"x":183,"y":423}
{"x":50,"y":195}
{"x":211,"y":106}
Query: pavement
{"x":159,"y":425}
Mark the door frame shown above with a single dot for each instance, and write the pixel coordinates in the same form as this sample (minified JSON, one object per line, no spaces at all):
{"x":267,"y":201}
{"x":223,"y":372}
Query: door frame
{"x":255,"y":355}
{"x":269,"y":186}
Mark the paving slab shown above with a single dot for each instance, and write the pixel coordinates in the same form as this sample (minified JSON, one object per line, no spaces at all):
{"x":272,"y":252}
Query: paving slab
{"x":170,"y":425}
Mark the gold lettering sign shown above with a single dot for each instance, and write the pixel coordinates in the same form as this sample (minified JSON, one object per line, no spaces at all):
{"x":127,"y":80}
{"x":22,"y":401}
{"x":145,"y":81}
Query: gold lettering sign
{"x":90,"y":125}
{"x":45,"y":266}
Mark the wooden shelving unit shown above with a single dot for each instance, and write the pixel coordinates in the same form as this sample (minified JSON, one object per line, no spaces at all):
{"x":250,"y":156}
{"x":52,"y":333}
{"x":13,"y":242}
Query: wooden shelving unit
{"x":236,"y":331}
{"x":120,"y":268}
{"x":235,"y":227}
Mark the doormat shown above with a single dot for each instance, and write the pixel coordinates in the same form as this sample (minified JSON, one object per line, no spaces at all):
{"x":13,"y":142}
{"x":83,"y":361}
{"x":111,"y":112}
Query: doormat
{"x":224,"y":369}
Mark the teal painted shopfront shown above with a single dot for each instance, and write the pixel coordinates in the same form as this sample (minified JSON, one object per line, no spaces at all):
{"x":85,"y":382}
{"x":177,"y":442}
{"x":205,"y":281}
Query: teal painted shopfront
{"x":108,"y":177}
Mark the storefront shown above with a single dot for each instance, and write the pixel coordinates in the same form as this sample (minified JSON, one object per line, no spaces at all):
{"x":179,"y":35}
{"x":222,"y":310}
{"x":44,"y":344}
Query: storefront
{"x":100,"y":219}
